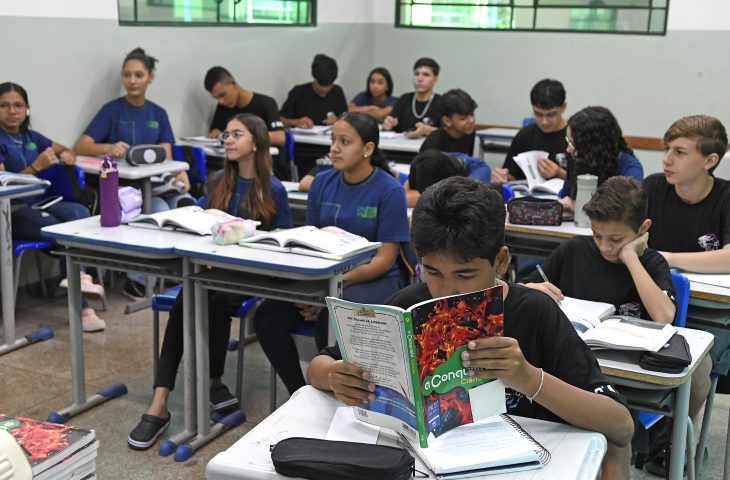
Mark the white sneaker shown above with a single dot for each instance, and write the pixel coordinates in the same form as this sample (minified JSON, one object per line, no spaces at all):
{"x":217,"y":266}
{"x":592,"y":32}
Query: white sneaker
{"x":91,"y":322}
{"x":89,"y":289}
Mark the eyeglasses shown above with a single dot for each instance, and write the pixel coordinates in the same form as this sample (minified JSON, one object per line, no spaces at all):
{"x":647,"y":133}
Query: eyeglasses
{"x":550,"y":115}
{"x":570,"y":142}
{"x":236,"y":134}
{"x":16,"y":106}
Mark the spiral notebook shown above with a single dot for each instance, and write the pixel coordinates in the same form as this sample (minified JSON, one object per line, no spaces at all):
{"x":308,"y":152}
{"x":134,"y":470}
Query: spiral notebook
{"x":494,"y":445}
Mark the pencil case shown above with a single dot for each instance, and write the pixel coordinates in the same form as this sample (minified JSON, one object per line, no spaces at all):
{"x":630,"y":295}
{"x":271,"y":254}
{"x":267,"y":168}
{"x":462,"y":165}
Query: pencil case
{"x":317,"y":459}
{"x":534,"y":211}
{"x":673,"y":358}
{"x":231,"y":231}
{"x":130,"y":202}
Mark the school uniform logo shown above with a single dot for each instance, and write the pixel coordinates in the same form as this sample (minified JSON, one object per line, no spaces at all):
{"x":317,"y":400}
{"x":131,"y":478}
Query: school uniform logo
{"x":369,"y":213}
{"x":512,"y":398}
{"x":709,"y":242}
{"x":152,"y":124}
{"x":31,"y":146}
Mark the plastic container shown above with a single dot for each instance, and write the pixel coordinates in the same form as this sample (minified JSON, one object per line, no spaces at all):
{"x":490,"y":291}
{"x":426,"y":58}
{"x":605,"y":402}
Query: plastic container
{"x":586,"y":186}
{"x":111,"y":212}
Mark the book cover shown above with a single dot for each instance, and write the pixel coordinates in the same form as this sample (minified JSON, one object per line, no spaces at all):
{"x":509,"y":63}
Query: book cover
{"x":46,"y":444}
{"x":413,"y":357}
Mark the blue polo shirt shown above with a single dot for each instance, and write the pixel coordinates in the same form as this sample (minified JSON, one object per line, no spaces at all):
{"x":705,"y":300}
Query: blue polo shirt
{"x":374,"y":208}
{"x":19,"y":150}
{"x":118,"y":121}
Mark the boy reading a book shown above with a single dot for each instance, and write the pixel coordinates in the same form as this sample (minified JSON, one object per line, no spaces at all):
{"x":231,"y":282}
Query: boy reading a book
{"x":458,"y":230}
{"x":456,"y":133}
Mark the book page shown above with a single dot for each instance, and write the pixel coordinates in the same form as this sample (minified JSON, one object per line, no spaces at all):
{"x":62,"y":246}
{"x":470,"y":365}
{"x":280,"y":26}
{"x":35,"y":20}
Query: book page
{"x":626,"y":333}
{"x":717,"y":279}
{"x":10,"y":178}
{"x":528,"y":161}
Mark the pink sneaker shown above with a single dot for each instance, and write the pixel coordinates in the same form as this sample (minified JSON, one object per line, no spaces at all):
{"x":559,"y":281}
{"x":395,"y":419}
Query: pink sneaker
{"x":91,"y":322}
{"x":89,"y":289}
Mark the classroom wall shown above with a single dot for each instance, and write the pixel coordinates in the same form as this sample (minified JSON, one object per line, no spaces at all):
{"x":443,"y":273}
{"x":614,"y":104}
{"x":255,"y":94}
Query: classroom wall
{"x":647,"y":81}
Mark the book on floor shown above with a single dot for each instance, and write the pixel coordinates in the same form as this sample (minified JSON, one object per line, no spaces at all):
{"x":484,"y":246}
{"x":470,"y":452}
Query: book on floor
{"x":491,"y":446}
{"x":46,"y":444}
{"x":327,"y":242}
{"x":191,"y":219}
{"x":536,"y":183}
{"x":9,"y":178}
{"x":414,"y":359}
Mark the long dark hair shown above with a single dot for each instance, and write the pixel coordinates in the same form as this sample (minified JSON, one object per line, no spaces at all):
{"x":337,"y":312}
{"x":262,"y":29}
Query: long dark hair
{"x":388,"y":80}
{"x":259,"y":202}
{"x":367,"y":128}
{"x":14,"y":87}
{"x":598,"y":142}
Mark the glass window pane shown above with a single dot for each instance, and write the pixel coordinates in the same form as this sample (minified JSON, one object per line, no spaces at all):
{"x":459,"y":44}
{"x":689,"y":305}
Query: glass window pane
{"x":283,"y":12}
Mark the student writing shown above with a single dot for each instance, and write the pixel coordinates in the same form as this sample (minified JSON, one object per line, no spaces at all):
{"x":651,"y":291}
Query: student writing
{"x":377,"y":100}
{"x":244,"y":188}
{"x":458,"y":231}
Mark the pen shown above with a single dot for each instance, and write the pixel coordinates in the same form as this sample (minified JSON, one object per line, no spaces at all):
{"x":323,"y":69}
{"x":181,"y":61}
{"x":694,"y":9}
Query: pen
{"x":542,"y":274}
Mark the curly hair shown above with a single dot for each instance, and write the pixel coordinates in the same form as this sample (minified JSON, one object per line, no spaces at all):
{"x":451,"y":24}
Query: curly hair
{"x":598,"y":142}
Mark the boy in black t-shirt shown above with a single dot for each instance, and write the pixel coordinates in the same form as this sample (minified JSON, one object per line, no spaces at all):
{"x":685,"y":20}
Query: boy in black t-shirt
{"x":234,"y":99}
{"x":456,"y":134}
{"x":458,"y":230}
{"x":318,"y":102}
{"x":547,"y":133}
{"x":417,"y":113}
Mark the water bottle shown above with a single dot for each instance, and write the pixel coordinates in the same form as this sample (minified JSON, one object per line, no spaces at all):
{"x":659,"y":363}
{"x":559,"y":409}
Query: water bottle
{"x":111,"y":212}
{"x":586,"y":186}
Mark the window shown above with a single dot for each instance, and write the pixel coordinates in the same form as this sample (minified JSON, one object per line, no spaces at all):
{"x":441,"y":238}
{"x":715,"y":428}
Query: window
{"x":217,"y":12}
{"x":616,"y":16}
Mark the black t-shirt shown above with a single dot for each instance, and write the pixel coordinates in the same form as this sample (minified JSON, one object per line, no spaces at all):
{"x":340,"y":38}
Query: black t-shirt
{"x":547,"y":340}
{"x":532,"y":138}
{"x":680,"y":227}
{"x":577,"y":268}
{"x":303,"y":101}
{"x":403,"y":111}
{"x":441,"y":140}
{"x":260,"y":105}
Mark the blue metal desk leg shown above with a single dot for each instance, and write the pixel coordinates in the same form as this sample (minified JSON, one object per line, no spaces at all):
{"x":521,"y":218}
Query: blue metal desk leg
{"x":80,"y":402}
{"x":679,"y":431}
{"x":169,"y":446}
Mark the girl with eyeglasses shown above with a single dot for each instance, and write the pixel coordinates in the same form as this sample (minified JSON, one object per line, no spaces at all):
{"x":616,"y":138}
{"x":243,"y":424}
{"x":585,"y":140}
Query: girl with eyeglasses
{"x":358,"y":195}
{"x":244,"y":188}
{"x":23,"y":150}
{"x":596,"y":146}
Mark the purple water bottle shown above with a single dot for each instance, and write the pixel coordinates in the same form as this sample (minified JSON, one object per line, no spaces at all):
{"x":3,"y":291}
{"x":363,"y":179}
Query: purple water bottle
{"x":111,"y":213}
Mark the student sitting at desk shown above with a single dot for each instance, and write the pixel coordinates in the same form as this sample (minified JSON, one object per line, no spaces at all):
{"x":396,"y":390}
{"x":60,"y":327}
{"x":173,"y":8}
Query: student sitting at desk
{"x":416,"y":113}
{"x":318,"y":102}
{"x":456,"y":133}
{"x":360,"y":196}
{"x":23,"y":150}
{"x":596,"y":146}
{"x":546,"y":133}
{"x":133,"y":120}
{"x":458,"y":231}
{"x":377,"y":100}
{"x":245,"y":188}
{"x":432,"y":166}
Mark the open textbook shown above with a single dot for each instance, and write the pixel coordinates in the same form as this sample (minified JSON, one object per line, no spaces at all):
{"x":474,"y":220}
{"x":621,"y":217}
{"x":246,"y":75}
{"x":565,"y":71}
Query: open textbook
{"x":414,"y":359}
{"x":528,"y":161}
{"x":315,"y":130}
{"x":191,"y":219}
{"x":327,"y":242}
{"x":10,"y":178}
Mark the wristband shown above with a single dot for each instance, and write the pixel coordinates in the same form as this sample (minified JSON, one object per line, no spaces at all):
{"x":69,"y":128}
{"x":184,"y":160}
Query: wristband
{"x":539,"y":389}
{"x":35,"y":170}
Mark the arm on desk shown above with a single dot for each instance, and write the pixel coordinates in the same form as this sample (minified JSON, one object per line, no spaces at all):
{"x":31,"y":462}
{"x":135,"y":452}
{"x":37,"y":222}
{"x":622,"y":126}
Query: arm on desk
{"x":376,"y":112}
{"x":302,"y":122}
{"x":715,"y":261}
{"x":379,"y":265}
{"x":86,"y":145}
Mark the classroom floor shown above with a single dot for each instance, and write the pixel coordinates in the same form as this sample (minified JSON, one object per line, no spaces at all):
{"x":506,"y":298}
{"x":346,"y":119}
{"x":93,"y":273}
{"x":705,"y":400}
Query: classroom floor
{"x":36,"y":381}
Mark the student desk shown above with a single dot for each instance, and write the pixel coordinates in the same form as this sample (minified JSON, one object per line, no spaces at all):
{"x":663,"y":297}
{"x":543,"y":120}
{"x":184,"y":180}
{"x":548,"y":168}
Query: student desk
{"x":215,"y":155}
{"x":124,"y":248}
{"x":623,"y":368}
{"x":575,"y":453}
{"x":494,"y":142}
{"x":540,"y":241}
{"x":137,"y":174}
{"x":399,"y":148}
{"x":297,"y":202}
{"x":253,"y":272}
{"x":6,"y":260}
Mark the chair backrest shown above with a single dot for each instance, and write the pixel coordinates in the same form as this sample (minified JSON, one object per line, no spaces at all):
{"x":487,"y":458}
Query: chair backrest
{"x":507,"y":192}
{"x":402,"y":177}
{"x":681,"y":292}
{"x":195,"y":157}
{"x":528,"y":121}
{"x":61,"y":177}
{"x":289,"y":154}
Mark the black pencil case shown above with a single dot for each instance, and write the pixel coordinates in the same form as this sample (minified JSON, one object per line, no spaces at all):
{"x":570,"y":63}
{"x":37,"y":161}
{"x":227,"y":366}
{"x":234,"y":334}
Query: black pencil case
{"x":673,"y":358}
{"x":534,"y":211}
{"x":324,"y":460}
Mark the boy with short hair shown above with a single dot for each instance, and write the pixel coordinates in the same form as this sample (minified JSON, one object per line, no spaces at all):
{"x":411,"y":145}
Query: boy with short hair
{"x":318,"y":102}
{"x":547,"y":133}
{"x":416,"y":113}
{"x":458,"y":230}
{"x":234,"y":99}
{"x":456,"y":134}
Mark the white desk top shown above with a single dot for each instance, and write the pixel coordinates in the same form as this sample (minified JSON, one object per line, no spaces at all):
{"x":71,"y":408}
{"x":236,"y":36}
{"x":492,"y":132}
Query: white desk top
{"x":712,"y":287}
{"x":566,"y":230}
{"x":400,"y":143}
{"x":625,"y":365}
{"x":203,"y":250}
{"x":498,"y":133}
{"x":90,"y":165}
{"x":88,"y":233}
{"x":212,"y":150}
{"x":575,"y":453}
{"x":19,"y":191}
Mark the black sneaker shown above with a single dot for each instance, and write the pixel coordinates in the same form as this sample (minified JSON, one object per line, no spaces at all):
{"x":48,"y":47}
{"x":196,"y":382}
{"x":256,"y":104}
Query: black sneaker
{"x":147,"y":431}
{"x":221,"y":399}
{"x":134,"y":290}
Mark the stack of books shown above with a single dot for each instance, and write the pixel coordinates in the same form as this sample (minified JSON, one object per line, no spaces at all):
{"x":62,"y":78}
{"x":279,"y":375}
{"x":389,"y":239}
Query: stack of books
{"x":54,"y":451}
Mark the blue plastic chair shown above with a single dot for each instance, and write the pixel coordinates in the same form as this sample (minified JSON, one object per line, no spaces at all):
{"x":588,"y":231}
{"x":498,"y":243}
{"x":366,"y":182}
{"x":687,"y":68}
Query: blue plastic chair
{"x":507,"y":192}
{"x":527,"y":121}
{"x":402,"y":177}
{"x":289,"y":154}
{"x":19,"y":248}
{"x":195,"y":158}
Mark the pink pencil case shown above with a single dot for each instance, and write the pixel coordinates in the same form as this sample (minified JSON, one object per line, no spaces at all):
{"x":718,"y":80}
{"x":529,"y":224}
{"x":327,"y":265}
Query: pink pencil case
{"x":231,"y":231}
